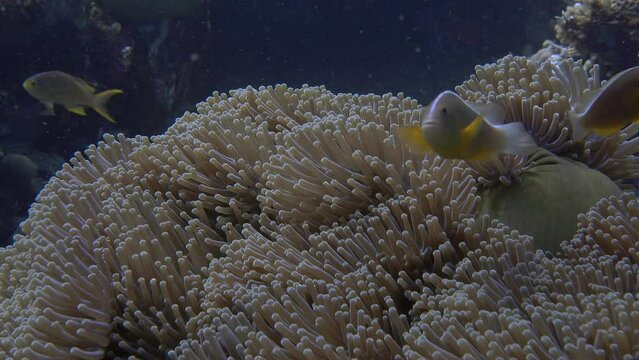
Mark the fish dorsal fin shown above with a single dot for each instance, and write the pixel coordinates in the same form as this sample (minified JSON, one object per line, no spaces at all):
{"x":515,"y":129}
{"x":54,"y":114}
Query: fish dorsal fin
{"x":586,"y":100}
{"x":83,"y":84}
{"x":412,"y":135}
{"x":613,"y":84}
{"x":78,"y":110}
{"x":492,"y":113}
{"x":626,"y":72}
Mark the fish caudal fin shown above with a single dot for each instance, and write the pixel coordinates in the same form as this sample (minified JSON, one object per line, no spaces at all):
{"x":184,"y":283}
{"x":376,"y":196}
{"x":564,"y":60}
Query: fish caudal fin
{"x":100,"y":100}
{"x":518,"y":140}
{"x":579,"y":131}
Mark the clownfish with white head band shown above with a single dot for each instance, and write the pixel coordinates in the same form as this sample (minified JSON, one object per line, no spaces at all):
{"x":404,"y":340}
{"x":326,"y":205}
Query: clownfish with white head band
{"x":456,"y":129}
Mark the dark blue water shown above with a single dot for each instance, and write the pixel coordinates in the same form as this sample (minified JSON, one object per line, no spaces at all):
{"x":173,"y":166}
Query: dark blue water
{"x":166,"y":64}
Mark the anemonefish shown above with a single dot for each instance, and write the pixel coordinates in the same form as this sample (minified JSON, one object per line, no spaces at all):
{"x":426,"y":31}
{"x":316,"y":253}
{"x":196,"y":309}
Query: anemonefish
{"x":608,"y":109}
{"x":457,"y":129}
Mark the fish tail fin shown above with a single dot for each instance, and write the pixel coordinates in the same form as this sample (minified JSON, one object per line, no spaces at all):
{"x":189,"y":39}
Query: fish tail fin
{"x":100,"y":100}
{"x":579,"y":131}
{"x":518,"y":140}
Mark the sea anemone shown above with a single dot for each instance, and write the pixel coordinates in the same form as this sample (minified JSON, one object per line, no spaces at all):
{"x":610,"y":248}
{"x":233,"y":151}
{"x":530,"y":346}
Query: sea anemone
{"x":292,"y":223}
{"x":540,"y":97}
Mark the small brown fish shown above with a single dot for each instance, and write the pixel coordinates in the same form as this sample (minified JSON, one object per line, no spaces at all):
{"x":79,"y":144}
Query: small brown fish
{"x":57,"y":87}
{"x":608,"y":109}
{"x":456,"y":129}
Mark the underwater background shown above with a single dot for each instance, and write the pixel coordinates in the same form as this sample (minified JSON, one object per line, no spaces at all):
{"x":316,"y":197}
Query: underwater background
{"x":197,"y":179}
{"x":167,"y":55}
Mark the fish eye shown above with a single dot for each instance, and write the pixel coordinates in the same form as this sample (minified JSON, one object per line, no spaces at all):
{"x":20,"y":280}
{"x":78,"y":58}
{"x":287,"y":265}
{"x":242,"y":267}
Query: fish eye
{"x":32,"y":83}
{"x":444,"y":110}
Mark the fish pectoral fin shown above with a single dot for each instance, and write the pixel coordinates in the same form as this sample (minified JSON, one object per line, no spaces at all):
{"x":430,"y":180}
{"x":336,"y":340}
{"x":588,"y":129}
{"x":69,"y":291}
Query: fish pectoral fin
{"x":79,"y":110}
{"x":48,"y":109}
{"x":473,"y":148}
{"x":470,"y":131}
{"x":412,"y":135}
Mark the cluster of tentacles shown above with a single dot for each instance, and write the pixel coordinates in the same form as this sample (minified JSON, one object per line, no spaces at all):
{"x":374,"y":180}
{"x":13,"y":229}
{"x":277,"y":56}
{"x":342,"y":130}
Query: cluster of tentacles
{"x":291,"y":223}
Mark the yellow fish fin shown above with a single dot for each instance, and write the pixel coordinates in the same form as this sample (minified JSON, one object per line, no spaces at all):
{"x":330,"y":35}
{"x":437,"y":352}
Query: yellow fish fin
{"x":481,"y":155}
{"x":100,"y":100}
{"x":79,"y":110}
{"x":470,"y":148}
{"x":413,"y":136}
{"x":470,"y":131}
{"x":606,"y":131}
